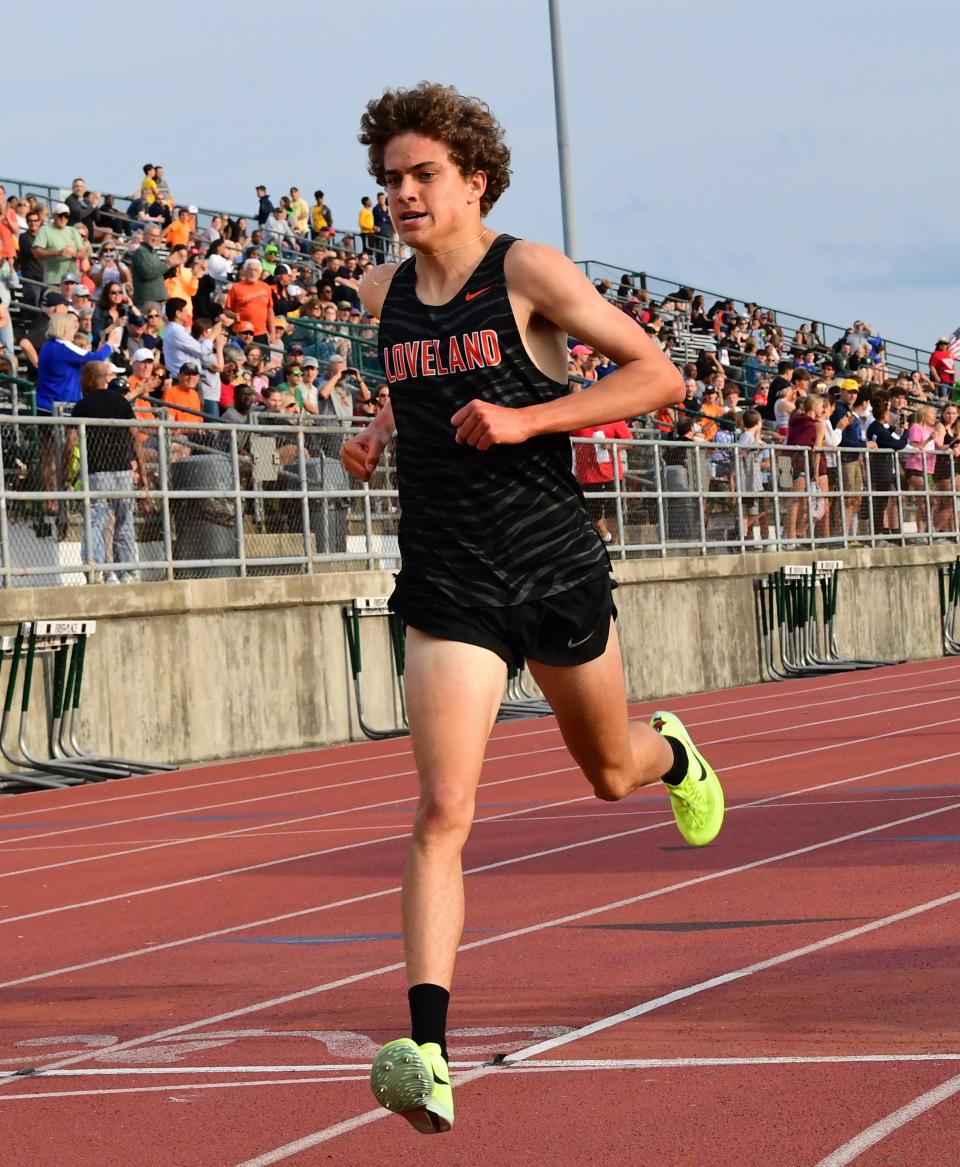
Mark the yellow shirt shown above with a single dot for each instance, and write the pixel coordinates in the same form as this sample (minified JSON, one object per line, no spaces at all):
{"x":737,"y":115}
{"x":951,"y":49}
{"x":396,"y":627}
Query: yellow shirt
{"x":148,"y":186}
{"x":366,"y":220}
{"x":301,"y":214}
{"x":317,"y":218}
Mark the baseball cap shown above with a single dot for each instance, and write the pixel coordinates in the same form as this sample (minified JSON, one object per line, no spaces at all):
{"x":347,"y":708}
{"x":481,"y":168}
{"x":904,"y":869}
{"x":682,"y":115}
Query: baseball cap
{"x":943,"y":340}
{"x":53,"y":299}
{"x":581,"y":350}
{"x":190,"y":368}
{"x":344,"y":304}
{"x":355,"y":312}
{"x":61,"y":209}
{"x":68,"y":279}
{"x":848,"y":385}
{"x":310,"y":363}
{"x":295,"y":290}
{"x":281,"y":270}
{"x":82,"y":290}
{"x":135,"y":318}
{"x":244,"y":326}
{"x":193,"y":210}
{"x":143,"y":354}
{"x":271,"y":249}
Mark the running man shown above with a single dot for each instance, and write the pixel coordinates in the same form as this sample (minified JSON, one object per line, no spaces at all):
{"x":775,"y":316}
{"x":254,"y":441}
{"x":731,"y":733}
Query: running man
{"x":500,"y":562}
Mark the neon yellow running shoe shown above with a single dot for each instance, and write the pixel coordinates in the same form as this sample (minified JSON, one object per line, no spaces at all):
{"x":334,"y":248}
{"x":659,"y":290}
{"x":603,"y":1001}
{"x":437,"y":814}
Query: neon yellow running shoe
{"x":697,"y":801}
{"x":414,"y":1080}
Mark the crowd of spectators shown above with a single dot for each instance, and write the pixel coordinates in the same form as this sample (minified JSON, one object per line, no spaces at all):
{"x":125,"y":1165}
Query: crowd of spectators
{"x":260,"y":317}
{"x":851,"y":425}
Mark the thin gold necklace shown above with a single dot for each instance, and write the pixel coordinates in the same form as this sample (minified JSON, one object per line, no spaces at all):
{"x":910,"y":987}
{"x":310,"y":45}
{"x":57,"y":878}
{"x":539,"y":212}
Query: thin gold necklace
{"x":436,"y":254}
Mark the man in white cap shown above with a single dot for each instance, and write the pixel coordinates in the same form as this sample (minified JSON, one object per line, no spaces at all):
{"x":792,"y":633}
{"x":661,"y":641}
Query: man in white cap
{"x":58,"y":246}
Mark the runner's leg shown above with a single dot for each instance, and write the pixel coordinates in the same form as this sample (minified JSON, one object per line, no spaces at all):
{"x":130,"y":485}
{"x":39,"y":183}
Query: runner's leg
{"x":453,"y":692}
{"x":590,"y":702}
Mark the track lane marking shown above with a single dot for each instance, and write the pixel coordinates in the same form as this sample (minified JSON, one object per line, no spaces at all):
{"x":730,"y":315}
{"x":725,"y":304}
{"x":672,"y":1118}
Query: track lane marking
{"x":891,"y":1123}
{"x":511,"y":934}
{"x":330,"y":905}
{"x":246,"y":832}
{"x":946,"y":1090}
{"x":639,"y":711}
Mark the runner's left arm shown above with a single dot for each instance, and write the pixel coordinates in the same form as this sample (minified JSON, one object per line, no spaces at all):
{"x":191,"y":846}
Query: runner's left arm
{"x":552,"y":287}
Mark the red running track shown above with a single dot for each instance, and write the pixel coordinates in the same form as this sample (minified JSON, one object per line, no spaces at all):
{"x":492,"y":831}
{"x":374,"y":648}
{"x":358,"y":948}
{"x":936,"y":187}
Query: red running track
{"x":198,"y":967}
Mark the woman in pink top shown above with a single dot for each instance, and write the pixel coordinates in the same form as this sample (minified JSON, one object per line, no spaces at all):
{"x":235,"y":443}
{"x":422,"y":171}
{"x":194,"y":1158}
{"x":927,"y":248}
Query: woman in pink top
{"x":921,"y":460}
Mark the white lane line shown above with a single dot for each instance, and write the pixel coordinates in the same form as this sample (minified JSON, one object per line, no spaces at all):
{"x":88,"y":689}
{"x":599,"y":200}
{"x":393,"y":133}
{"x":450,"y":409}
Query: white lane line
{"x":606,"y":813}
{"x":541,"y":1064}
{"x":891,"y":1123}
{"x":330,"y":905}
{"x":309,"y":790}
{"x":181,"y":1088}
{"x":246,"y":832}
{"x":92,"y":801}
{"x":530,"y":929}
{"x":351,"y":1124}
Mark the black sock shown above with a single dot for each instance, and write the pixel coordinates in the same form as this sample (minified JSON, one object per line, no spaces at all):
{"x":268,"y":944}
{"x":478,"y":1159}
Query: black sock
{"x":681,"y":763}
{"x":428,"y":1015}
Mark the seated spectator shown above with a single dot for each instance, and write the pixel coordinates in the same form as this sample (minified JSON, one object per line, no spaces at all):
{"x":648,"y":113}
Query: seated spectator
{"x":278,"y":232}
{"x":183,"y":398}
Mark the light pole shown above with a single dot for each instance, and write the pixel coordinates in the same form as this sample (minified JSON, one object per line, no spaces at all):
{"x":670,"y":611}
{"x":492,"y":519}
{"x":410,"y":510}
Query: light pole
{"x":563,"y":136}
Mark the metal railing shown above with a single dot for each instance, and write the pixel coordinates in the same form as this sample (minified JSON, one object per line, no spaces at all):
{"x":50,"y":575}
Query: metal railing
{"x":899,"y":355}
{"x":272,"y":498}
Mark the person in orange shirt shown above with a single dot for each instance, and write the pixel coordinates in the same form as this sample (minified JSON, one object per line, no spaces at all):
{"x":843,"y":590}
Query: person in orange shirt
{"x":184,"y":395}
{"x":180,"y":229}
{"x":251,"y":299}
{"x":180,"y":281}
{"x":711,"y":408}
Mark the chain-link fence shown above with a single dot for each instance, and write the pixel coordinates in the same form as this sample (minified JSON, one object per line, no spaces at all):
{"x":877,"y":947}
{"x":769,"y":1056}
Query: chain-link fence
{"x":88,"y":501}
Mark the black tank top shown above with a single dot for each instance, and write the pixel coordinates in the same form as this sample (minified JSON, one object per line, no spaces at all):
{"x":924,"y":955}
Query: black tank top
{"x":494,"y":527}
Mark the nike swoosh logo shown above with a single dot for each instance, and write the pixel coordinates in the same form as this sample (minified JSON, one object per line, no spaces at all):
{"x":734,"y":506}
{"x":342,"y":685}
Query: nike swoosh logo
{"x":571,"y":643}
{"x":473,"y":295}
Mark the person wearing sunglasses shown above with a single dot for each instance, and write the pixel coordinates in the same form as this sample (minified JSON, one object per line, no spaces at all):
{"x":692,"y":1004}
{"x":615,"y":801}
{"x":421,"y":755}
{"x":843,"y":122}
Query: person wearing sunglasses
{"x":59,"y":247}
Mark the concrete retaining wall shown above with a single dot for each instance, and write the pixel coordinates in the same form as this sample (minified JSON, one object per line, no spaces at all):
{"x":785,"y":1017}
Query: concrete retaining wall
{"x":216,"y":668}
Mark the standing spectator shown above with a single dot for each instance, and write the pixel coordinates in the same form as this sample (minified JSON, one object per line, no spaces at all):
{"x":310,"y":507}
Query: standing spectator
{"x":180,"y":281}
{"x":367,"y":225}
{"x":804,"y":430}
{"x":212,"y":340}
{"x":161,"y":189}
{"x":148,"y":184}
{"x":853,"y":443}
{"x":264,"y":207}
{"x":108,"y":269}
{"x":946,"y":471}
{"x":110,"y":451}
{"x":321,"y":217}
{"x":384,"y":227}
{"x":29,"y":266}
{"x":300,"y":212}
{"x":179,"y":344}
{"x":180,"y":230}
{"x":885,"y":503}
{"x":753,"y":504}
{"x":148,"y":270}
{"x":943,"y":367}
{"x":921,"y":461}
{"x":54,"y":304}
{"x":598,"y":472}
{"x":250,"y":298}
{"x":59,"y":248}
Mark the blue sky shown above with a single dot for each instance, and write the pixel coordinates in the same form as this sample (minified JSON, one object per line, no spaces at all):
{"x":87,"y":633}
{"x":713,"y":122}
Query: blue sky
{"x":803,"y":156}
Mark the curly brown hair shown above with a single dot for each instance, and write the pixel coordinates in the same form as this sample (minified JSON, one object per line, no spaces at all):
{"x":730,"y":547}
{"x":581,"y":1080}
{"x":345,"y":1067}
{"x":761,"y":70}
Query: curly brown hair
{"x":465,"y":125}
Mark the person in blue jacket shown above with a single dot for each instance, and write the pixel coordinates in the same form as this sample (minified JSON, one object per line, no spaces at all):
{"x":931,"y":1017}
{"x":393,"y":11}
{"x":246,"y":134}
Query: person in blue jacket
{"x":884,"y":480}
{"x":58,"y":379}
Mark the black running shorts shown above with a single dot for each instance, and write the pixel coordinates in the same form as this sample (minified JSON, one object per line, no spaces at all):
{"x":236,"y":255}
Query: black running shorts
{"x":567,"y":629}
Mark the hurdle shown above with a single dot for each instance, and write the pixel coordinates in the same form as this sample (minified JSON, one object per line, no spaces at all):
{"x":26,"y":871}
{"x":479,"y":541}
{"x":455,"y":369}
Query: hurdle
{"x":518,"y":699}
{"x":948,"y":579}
{"x":797,"y":631}
{"x":357,"y":612}
{"x":67,"y":762}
